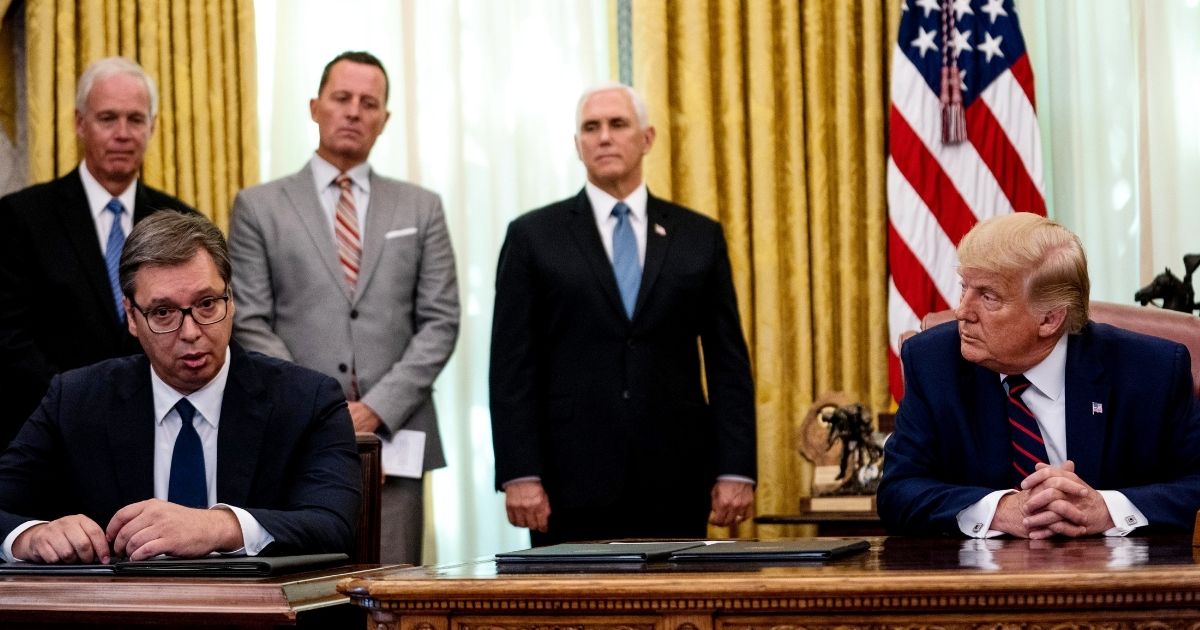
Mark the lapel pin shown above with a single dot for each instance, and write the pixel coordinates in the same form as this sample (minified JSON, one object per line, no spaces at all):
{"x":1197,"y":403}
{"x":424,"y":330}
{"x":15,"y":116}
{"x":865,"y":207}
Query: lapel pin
{"x":1097,"y":408}
{"x":660,"y":230}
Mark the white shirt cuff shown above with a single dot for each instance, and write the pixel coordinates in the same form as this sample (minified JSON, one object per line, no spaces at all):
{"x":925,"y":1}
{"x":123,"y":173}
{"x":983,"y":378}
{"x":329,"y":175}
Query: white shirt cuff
{"x":735,"y":478}
{"x":254,"y":537}
{"x":1125,"y":515}
{"x":6,"y":552}
{"x":976,"y":520}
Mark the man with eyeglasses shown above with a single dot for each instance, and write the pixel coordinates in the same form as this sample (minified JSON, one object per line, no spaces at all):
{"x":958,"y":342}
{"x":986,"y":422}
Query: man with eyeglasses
{"x":195,"y":447}
{"x":62,"y":239}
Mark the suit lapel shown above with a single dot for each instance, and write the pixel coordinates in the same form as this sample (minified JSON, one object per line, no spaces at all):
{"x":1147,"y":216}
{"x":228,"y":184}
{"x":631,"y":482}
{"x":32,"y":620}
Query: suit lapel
{"x":131,"y":432}
{"x":305,"y":201}
{"x":380,"y":210}
{"x":1086,"y":386}
{"x":582,"y":226}
{"x":244,"y":414}
{"x":80,"y":229}
{"x":660,"y":226}
{"x":991,"y":410}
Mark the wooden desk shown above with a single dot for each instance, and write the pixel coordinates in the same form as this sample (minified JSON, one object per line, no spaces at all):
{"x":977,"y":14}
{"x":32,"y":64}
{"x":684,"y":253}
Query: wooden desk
{"x":829,"y":523}
{"x":308,"y":599}
{"x":899,"y":583}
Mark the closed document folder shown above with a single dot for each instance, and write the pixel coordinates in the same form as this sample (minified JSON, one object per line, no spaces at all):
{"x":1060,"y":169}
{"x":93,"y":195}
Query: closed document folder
{"x":596,"y":553}
{"x":219,"y":566}
{"x":773,"y":550}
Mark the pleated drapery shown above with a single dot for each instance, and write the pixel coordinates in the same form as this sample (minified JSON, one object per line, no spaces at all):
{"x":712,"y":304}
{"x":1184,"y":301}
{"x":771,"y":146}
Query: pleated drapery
{"x":201,"y":55}
{"x":771,"y":118}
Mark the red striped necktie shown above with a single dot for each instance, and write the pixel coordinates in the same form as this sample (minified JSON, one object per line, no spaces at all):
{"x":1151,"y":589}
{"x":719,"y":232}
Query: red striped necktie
{"x":345,"y":230}
{"x":1027,"y":446}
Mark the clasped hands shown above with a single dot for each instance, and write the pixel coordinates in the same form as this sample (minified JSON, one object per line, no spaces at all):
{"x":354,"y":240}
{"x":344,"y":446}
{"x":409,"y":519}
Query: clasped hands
{"x":138,"y":531}
{"x":1053,"y":500}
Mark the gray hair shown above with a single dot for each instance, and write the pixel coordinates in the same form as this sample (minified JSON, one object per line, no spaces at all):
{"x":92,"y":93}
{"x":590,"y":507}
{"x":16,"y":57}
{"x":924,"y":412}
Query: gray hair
{"x":108,"y":67}
{"x":639,"y":105}
{"x":170,"y":238}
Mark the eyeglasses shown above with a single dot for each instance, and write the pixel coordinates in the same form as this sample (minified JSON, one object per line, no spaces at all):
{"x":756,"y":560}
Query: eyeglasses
{"x":165,"y":319}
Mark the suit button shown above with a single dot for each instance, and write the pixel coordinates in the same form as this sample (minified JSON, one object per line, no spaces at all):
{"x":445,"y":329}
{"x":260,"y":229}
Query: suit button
{"x":354,"y":314}
{"x":631,"y":343}
{"x":343,"y":368}
{"x":625,"y":394}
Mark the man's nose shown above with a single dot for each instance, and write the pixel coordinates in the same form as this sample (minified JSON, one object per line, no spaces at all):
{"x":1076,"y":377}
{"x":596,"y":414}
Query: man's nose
{"x":963,"y":310}
{"x":189,"y":329}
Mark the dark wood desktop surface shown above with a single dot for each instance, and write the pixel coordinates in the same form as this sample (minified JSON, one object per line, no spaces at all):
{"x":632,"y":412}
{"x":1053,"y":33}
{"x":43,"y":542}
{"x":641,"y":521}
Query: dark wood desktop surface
{"x":43,"y":601}
{"x":898,"y":583}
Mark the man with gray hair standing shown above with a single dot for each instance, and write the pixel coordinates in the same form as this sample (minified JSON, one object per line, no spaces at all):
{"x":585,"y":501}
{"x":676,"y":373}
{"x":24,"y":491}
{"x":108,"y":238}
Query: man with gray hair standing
{"x":601,"y":426}
{"x":60,"y":305}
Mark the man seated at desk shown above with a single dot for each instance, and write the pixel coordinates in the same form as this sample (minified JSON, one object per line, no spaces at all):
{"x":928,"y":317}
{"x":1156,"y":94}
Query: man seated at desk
{"x":1024,"y":418}
{"x":195,"y":447}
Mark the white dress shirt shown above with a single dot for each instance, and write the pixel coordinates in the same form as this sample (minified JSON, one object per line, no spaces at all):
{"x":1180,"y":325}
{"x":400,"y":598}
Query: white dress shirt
{"x":1047,"y":400}
{"x":329,"y":192}
{"x":602,"y":206}
{"x":167,"y":423}
{"x":98,"y":197}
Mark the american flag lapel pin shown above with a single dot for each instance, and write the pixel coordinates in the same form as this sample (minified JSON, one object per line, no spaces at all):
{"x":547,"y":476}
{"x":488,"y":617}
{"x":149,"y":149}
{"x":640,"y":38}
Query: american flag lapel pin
{"x":1097,"y":408}
{"x":660,"y":230}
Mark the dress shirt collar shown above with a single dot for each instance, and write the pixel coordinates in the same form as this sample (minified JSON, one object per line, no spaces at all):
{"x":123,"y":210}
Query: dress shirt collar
{"x":98,"y":197}
{"x":602,"y":203}
{"x":324,"y":173}
{"x":1050,"y":376}
{"x":206,"y":400}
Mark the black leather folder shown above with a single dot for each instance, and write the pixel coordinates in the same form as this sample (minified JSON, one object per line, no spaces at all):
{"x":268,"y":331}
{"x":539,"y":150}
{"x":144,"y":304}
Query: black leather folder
{"x":596,"y":553}
{"x":218,"y":566}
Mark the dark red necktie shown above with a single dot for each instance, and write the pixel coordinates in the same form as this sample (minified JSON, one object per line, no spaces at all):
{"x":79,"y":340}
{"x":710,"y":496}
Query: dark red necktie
{"x":1027,"y":446}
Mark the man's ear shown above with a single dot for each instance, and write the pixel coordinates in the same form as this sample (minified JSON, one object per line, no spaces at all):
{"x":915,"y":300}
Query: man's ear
{"x":130,"y":320}
{"x":1051,"y":323}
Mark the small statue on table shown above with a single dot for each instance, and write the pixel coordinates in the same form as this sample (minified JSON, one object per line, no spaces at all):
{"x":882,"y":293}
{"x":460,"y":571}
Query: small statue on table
{"x":838,"y":437}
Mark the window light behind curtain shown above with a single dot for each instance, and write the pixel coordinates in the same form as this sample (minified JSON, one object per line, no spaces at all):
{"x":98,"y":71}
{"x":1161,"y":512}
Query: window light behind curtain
{"x":482,"y":105}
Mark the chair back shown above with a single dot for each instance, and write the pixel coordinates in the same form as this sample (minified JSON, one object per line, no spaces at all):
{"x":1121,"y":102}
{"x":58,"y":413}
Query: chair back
{"x":366,"y":535}
{"x":1176,"y":326}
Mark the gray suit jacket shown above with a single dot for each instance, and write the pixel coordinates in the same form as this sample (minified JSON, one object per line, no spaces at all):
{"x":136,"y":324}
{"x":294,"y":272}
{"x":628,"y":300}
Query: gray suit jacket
{"x":398,"y":328}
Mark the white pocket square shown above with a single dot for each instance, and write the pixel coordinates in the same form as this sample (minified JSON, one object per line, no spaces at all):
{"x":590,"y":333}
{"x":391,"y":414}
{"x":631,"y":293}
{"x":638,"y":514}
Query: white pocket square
{"x":399,"y":233}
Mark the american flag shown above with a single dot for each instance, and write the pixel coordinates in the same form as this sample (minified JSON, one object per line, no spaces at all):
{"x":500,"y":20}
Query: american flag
{"x":938,"y":187}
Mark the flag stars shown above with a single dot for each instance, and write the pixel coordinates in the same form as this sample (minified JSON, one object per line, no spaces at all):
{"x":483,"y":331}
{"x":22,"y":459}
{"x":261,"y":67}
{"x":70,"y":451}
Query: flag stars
{"x":991,"y":46}
{"x":929,"y":5}
{"x":961,"y":8}
{"x":994,"y":9}
{"x":959,"y":41}
{"x":924,"y":41}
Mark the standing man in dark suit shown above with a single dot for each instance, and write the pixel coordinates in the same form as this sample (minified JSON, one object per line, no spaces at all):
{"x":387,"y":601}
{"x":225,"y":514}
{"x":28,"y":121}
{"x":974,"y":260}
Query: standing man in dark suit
{"x":1024,"y":418}
{"x":60,"y":241}
{"x":376,"y":307}
{"x":600,"y":423}
{"x":195,"y":447}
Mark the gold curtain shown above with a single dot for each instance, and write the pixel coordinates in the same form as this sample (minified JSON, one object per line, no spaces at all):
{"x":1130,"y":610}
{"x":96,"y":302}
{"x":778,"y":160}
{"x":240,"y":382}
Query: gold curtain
{"x":201,"y":55}
{"x":771,"y":118}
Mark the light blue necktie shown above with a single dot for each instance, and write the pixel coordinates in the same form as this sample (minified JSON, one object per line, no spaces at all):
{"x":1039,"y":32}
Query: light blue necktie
{"x":626,"y":266}
{"x":187,"y":485}
{"x":112,"y":254}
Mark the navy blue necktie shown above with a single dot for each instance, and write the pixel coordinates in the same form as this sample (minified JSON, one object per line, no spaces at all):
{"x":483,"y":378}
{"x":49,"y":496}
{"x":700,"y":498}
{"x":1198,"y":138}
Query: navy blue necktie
{"x":112,"y":253}
{"x":1028,"y":448}
{"x":187,"y":486}
{"x":626,"y":266}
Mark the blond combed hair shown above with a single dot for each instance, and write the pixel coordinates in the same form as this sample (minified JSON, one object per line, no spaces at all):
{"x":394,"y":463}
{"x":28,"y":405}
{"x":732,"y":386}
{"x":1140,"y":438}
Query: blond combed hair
{"x":1038,"y":252}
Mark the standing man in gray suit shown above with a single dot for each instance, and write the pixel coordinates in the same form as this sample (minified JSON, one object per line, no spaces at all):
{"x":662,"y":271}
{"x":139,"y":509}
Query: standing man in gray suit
{"x":352,"y":274}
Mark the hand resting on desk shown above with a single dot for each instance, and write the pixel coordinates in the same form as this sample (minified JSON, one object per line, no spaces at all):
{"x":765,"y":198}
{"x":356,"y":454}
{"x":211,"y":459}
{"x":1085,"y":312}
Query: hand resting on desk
{"x":1053,"y":500}
{"x":138,"y":531}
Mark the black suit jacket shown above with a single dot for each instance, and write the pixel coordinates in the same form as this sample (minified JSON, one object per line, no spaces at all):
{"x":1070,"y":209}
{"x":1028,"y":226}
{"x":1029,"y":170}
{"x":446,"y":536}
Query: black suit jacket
{"x":601,"y":407}
{"x":285,"y":451}
{"x":56,"y":307}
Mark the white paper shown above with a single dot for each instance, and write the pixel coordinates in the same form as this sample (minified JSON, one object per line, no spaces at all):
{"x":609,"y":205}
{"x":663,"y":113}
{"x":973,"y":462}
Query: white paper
{"x":404,"y":454}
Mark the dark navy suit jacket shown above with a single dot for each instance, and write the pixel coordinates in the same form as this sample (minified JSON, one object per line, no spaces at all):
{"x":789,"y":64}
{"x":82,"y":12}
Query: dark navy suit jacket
{"x":1133,"y":425}
{"x":56,"y":306}
{"x":604,"y":408}
{"x":285,"y":451}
